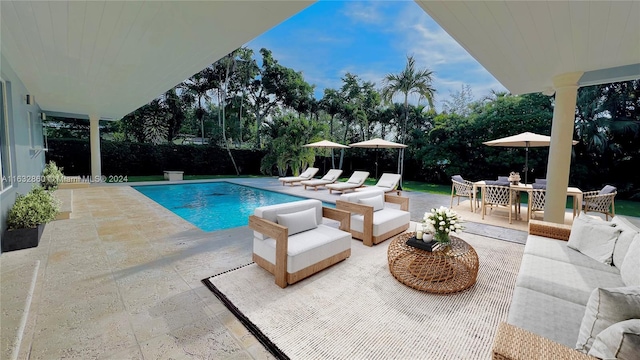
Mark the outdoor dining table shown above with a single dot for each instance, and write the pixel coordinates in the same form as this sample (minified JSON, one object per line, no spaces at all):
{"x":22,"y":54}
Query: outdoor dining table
{"x":574,"y":192}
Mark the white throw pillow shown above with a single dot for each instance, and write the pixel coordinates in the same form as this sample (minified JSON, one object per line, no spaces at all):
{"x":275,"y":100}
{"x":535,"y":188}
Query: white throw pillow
{"x":630,"y":270}
{"x":376,"y":201}
{"x":594,"y":238}
{"x":619,"y":341}
{"x":605,"y":308}
{"x":298,"y":222}
{"x":628,"y":232}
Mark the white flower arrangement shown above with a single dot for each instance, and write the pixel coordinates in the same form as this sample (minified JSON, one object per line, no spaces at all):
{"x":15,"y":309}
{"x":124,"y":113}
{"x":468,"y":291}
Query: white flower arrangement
{"x":442,"y":222}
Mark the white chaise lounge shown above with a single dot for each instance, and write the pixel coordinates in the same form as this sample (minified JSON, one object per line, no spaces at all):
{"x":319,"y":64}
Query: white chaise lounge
{"x":291,"y":242}
{"x":306,"y":175}
{"x":373,"y":219}
{"x":388,"y":182}
{"x":356,"y":180}
{"x":330,"y":178}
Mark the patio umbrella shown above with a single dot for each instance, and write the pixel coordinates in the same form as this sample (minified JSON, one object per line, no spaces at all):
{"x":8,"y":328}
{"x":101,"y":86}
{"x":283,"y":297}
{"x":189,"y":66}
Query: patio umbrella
{"x":525,"y":140}
{"x":327,"y":145}
{"x":378,"y":143}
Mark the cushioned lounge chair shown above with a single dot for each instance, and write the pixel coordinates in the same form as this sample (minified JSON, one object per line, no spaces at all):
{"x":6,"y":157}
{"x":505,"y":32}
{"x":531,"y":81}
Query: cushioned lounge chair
{"x":373,"y":219}
{"x":291,"y":242}
{"x":331,"y":177}
{"x":388,"y":182}
{"x":356,"y":180}
{"x":306,"y":175}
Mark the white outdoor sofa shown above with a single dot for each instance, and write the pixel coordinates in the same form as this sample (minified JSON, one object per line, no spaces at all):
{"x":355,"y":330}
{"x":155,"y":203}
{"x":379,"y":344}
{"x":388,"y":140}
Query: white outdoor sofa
{"x":555,"y":300}
{"x":373,"y":219}
{"x":291,"y":241}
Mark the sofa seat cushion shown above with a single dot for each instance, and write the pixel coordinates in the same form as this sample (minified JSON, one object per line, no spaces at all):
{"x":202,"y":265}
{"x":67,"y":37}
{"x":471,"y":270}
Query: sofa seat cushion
{"x":546,"y":315}
{"x":563,"y":280}
{"x":306,"y":248}
{"x":558,"y":250}
{"x":384,"y":220}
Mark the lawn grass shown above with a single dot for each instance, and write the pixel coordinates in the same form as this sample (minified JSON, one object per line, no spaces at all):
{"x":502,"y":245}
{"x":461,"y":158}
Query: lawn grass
{"x":623,"y":207}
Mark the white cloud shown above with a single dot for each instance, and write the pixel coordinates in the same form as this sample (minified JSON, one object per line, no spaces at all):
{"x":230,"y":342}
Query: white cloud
{"x":365,"y":12}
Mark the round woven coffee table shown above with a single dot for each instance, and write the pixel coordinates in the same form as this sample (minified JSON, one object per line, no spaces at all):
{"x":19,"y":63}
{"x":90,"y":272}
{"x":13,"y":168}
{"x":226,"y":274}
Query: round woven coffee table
{"x":444,"y":271}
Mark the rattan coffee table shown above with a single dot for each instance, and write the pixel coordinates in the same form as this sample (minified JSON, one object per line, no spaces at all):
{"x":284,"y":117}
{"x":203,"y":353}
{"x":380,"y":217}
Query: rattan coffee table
{"x":444,"y":271}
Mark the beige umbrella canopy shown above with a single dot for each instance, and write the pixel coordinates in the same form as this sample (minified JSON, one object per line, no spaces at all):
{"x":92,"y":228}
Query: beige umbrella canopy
{"x":327,"y":145}
{"x":525,"y":140}
{"x":378,"y":143}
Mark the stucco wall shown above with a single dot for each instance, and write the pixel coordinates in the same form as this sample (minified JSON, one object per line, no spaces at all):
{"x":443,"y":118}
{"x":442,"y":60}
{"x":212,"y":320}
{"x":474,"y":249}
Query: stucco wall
{"x":24,"y":161}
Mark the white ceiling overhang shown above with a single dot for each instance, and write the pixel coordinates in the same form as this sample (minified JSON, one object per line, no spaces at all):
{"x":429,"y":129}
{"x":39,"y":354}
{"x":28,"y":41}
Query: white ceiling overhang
{"x":524,"y":44}
{"x":107,"y":58}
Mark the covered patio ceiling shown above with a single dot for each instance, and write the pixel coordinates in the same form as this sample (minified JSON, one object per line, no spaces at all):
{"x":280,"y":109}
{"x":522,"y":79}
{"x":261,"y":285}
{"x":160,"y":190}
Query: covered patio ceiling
{"x":524,"y":44}
{"x":108,"y":58}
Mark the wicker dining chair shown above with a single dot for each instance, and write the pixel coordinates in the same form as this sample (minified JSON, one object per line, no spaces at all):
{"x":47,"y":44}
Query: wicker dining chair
{"x":601,"y":201}
{"x":537,"y":198}
{"x":496,"y":195}
{"x":462,"y":188}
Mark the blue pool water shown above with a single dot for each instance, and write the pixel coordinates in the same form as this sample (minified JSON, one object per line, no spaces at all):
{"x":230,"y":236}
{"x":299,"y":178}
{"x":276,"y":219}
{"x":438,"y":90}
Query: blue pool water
{"x":216,"y":205}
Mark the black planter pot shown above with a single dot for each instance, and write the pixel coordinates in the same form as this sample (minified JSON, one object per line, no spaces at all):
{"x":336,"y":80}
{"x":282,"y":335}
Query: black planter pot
{"x":18,"y":239}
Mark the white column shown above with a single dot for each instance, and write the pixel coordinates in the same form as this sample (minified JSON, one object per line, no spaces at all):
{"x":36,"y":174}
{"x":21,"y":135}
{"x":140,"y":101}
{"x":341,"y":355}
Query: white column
{"x":94,"y":137}
{"x":559,"y":163}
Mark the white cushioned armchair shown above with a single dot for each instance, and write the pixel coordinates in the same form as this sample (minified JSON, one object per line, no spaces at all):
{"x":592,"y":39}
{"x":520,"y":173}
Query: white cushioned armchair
{"x":291,"y":242}
{"x":373,"y":220}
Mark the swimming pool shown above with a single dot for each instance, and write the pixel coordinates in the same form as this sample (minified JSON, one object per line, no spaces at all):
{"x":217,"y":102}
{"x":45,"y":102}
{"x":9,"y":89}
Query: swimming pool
{"x":215,"y":205}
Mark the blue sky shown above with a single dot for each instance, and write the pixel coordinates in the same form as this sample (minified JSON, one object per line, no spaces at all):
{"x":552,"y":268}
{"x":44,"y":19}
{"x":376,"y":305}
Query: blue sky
{"x":371,"y":39}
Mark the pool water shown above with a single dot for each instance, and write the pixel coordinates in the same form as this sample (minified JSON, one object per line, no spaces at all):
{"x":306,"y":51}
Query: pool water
{"x":216,"y":205}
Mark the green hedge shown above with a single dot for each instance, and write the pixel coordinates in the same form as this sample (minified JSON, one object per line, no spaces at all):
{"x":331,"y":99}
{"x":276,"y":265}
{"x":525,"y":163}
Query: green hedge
{"x":125,"y":158}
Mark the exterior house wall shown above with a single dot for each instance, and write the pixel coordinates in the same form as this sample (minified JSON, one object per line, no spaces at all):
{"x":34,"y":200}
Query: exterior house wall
{"x":25,"y":161}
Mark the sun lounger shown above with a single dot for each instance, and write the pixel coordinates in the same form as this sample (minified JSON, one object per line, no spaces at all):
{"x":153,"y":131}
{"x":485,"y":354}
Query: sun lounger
{"x":356,"y":180}
{"x":387,"y":182}
{"x":306,"y":175}
{"x":331,"y":177}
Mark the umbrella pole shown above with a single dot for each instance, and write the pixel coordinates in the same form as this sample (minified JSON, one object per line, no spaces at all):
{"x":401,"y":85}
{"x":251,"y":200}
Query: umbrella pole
{"x":376,"y":163}
{"x":333,"y":161}
{"x":526,"y":164}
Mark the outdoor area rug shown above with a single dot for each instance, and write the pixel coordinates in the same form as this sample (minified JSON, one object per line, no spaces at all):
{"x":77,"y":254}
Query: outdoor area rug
{"x":357,"y":310}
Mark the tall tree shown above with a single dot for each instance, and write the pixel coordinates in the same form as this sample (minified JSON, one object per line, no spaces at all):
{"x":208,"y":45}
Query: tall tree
{"x":409,"y":81}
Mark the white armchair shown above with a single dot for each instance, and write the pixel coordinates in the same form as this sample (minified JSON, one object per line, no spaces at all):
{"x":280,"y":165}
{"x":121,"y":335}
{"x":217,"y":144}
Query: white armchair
{"x":291,"y":242}
{"x":373,"y":220}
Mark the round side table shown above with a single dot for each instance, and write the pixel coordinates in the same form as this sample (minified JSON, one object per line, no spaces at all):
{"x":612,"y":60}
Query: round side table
{"x":447,"y":270}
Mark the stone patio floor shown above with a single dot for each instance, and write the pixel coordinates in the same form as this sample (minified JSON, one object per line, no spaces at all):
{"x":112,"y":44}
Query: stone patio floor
{"x":121,"y":279}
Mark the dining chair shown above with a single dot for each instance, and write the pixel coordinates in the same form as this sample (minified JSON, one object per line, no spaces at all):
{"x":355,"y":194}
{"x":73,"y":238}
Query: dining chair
{"x":496,"y":195}
{"x":537,"y":198}
{"x":462,"y":188}
{"x":601,"y":201}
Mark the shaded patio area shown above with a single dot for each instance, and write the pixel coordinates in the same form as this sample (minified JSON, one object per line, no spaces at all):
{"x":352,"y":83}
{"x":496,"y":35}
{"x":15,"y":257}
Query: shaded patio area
{"x":122,"y":279}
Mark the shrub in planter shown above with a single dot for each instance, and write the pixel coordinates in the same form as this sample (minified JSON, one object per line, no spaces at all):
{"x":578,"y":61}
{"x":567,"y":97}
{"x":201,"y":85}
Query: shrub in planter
{"x":51,"y":176}
{"x":27,"y":217}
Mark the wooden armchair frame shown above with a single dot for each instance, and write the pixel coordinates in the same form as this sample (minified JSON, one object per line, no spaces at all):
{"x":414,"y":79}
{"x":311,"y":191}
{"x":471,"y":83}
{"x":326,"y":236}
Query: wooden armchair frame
{"x":367,"y":234}
{"x":492,"y":196}
{"x":281,"y":235}
{"x":605,"y":203}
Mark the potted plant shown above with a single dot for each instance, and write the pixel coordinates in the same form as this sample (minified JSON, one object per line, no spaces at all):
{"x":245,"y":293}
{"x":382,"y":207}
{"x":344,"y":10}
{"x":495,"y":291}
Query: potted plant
{"x":52,"y":176}
{"x":27,"y":217}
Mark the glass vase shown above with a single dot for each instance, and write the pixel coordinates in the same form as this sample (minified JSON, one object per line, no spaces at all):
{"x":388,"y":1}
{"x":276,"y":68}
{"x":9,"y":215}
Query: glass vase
{"x":442,"y":237}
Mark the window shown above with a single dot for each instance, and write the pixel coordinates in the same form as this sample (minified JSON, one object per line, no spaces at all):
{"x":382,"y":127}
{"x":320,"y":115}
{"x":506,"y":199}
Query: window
{"x":35,"y":131}
{"x":5,"y":163}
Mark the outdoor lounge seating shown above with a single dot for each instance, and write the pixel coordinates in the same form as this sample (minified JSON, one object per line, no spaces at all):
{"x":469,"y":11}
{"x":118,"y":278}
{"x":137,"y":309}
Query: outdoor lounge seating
{"x":388,"y":182}
{"x":496,"y":195}
{"x":463,"y":188}
{"x":601,"y":201}
{"x":555,"y":302}
{"x":291,"y":242}
{"x":356,"y":180}
{"x":331,"y":177}
{"x":306,"y":175}
{"x":372,"y":220}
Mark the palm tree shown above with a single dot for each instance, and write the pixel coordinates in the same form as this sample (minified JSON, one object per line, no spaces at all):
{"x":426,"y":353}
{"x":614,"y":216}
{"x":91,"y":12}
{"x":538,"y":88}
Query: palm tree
{"x":409,"y":81}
